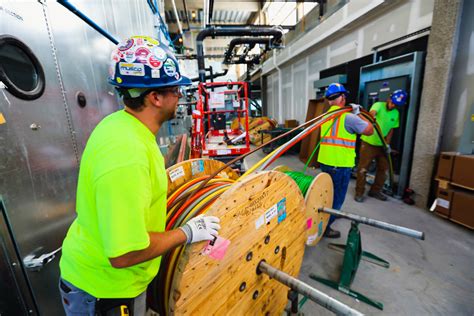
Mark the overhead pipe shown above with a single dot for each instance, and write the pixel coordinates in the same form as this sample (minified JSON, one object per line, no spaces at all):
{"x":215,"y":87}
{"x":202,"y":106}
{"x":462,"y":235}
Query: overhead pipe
{"x":86,"y":19}
{"x":244,"y":40}
{"x":213,"y":76}
{"x":275,"y":32}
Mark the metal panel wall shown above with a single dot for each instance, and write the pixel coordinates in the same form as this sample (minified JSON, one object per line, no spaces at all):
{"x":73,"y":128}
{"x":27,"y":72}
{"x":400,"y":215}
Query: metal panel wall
{"x":38,"y":167}
{"x":84,"y":58}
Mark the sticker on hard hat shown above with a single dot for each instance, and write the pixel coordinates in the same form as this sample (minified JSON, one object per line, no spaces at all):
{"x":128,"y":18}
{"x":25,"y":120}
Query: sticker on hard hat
{"x":170,"y":67}
{"x":159,"y":53}
{"x":142,"y":54}
{"x":132,"y":69}
{"x":155,"y":73}
{"x":126,"y":45}
{"x":129,"y":56}
{"x":154,"y":62}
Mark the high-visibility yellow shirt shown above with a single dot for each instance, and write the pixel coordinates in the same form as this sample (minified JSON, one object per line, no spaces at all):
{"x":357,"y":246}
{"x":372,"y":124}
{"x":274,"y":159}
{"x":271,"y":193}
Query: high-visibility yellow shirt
{"x":387,"y":119}
{"x":337,"y":147}
{"x":121,"y":196}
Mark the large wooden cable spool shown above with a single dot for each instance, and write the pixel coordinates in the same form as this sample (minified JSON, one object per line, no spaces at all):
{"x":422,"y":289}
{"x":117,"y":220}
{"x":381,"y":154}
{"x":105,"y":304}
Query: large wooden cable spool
{"x":178,"y":176}
{"x":263,"y":217}
{"x":320,"y":194}
{"x":185,"y":171}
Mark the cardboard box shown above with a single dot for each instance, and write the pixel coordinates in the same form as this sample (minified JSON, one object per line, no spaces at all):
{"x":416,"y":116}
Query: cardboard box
{"x":444,"y":202}
{"x":462,"y":208}
{"x":315,"y":108}
{"x":463,"y":171}
{"x":445,"y":165}
{"x":291,"y":123}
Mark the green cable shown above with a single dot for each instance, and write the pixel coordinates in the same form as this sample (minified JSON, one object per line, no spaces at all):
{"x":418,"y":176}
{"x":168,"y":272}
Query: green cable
{"x":303,"y":181}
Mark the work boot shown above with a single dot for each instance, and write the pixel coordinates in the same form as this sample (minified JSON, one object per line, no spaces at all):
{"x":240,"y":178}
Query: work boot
{"x":330,"y":233}
{"x":378,"y":195}
{"x":359,"y":198}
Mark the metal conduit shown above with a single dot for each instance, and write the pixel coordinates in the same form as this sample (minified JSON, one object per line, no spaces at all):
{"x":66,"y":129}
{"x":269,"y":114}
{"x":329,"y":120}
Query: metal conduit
{"x":86,"y":19}
{"x":375,"y":223}
{"x":275,"y":32}
{"x":244,"y":40}
{"x":316,"y":296}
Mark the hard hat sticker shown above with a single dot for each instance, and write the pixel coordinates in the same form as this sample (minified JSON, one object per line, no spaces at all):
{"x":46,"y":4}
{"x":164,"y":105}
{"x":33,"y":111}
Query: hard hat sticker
{"x":142,"y":54}
{"x":125,"y":46}
{"x":170,"y":67}
{"x":159,"y":53}
{"x":132,"y":69}
{"x":129,"y":56}
{"x":155,"y":73}
{"x":154,"y":62}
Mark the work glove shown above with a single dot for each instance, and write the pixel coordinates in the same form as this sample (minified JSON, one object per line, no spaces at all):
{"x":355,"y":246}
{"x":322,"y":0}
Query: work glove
{"x":388,"y":150}
{"x":355,"y":108}
{"x":201,"y":228}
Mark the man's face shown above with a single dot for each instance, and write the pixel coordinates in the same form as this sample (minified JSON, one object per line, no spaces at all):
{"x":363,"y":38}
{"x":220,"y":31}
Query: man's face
{"x":390,"y":105}
{"x":170,"y":99}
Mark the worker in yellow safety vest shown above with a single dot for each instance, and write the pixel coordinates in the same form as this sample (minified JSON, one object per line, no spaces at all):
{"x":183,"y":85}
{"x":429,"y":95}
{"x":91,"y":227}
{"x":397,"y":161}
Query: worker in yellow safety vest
{"x":337,"y":149}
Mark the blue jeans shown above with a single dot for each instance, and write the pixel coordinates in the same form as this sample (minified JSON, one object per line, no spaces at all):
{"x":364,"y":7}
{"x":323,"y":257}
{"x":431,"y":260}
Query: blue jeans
{"x":80,"y":303}
{"x":340,"y":178}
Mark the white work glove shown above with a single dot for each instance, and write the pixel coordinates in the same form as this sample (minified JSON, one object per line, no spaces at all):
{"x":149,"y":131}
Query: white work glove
{"x":388,"y":150}
{"x":355,"y":108}
{"x":201,"y":228}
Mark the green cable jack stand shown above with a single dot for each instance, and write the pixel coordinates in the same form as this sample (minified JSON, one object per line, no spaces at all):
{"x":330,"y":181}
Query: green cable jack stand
{"x":353,"y":253}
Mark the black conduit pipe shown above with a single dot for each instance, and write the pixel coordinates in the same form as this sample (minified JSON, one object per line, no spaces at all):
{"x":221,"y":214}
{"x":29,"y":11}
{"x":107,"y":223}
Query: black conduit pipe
{"x":86,"y":19}
{"x":275,"y":32}
{"x":244,"y":40}
{"x":213,"y":76}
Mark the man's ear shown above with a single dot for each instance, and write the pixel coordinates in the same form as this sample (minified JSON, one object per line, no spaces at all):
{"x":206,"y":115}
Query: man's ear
{"x":155,"y":99}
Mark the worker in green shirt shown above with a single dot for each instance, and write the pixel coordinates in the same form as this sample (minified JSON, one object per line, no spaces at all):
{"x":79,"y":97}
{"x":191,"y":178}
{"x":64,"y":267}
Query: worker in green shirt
{"x":388,"y":118}
{"x":113,"y":248}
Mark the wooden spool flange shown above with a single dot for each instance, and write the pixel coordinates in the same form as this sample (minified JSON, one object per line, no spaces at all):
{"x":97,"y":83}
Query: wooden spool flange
{"x":319,"y":194}
{"x":282,"y":168}
{"x":252,"y":213}
{"x":185,"y":171}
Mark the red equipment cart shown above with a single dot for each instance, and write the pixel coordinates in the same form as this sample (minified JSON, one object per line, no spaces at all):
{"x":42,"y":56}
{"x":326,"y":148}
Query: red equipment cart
{"x":211,"y":134}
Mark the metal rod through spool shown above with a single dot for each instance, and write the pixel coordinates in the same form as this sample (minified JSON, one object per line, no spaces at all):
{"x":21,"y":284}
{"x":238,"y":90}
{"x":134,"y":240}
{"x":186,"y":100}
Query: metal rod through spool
{"x":373,"y":222}
{"x":316,"y":296}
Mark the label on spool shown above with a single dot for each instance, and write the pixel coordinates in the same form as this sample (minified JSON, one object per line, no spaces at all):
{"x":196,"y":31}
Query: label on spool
{"x":197,"y":167}
{"x":311,"y":239}
{"x":281,"y":206}
{"x":176,"y":174}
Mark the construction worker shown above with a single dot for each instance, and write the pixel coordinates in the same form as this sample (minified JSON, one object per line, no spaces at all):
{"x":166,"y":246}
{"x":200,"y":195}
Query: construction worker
{"x":387,"y":116}
{"x":113,"y":248}
{"x":337,"y":149}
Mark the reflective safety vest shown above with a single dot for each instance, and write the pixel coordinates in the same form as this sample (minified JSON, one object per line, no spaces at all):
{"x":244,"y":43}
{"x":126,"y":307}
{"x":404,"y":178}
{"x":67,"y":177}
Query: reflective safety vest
{"x":337,"y":148}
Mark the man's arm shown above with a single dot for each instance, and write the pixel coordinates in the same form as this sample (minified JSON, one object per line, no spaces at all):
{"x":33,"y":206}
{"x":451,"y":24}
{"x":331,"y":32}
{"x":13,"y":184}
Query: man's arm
{"x":388,"y":138}
{"x":369,"y":130}
{"x":160,"y":243}
{"x":197,"y":229}
{"x":356,"y":124}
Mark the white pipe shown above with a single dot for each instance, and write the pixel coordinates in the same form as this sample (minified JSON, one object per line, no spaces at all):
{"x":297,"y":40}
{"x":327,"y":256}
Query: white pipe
{"x":280,"y":94}
{"x":177,"y":17}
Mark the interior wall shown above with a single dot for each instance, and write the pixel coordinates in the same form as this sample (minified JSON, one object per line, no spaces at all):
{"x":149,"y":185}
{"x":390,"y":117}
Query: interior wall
{"x":386,"y":21}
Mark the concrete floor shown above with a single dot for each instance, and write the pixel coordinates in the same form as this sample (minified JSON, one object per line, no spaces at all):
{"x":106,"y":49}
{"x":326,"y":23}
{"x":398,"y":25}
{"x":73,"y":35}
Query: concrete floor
{"x":430,"y":277}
